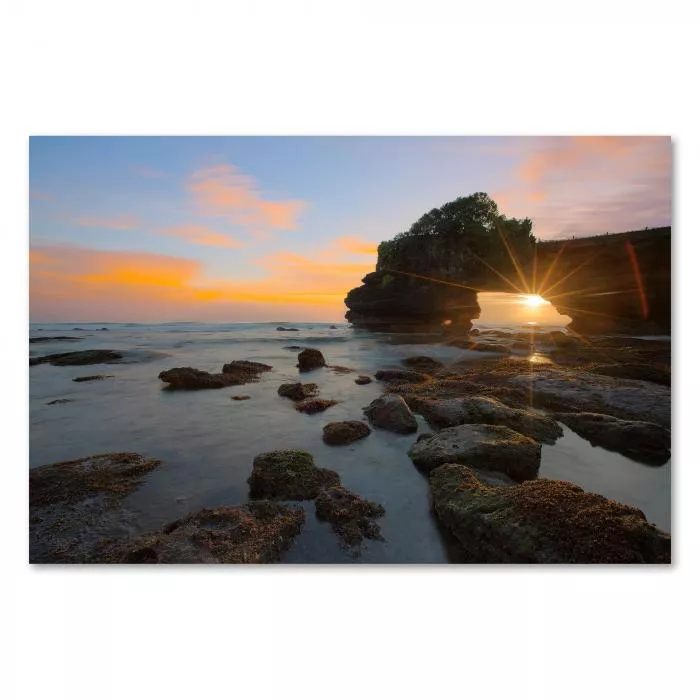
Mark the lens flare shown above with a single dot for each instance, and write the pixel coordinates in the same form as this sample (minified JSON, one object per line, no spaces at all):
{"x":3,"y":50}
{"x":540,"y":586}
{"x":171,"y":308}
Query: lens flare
{"x":533,"y":300}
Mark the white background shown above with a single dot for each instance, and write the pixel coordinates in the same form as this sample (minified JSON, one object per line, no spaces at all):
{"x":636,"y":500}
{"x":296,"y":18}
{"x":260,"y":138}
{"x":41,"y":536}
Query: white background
{"x":363,"y":67}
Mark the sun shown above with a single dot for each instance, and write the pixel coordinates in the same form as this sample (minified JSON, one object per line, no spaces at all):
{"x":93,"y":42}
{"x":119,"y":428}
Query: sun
{"x":532,"y":301}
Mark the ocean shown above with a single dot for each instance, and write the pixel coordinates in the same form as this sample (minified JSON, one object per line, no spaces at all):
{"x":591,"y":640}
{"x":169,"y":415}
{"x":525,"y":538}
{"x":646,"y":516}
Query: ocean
{"x":207,"y":441}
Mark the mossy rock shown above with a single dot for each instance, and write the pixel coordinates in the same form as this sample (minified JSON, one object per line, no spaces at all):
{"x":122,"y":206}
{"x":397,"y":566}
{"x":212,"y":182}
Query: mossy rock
{"x":351,"y":517}
{"x":345,"y":432}
{"x":541,"y":521}
{"x":298,"y":391}
{"x":311,"y":406}
{"x":289,"y":475}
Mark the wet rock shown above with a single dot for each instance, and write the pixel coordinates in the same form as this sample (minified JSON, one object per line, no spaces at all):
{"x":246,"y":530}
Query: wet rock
{"x":257,"y":532}
{"x":282,"y":328}
{"x":244,"y":397}
{"x":401,"y":375}
{"x":53,"y":338}
{"x":189,"y":378}
{"x":93,"y":378}
{"x":298,"y":391}
{"x":289,"y":475}
{"x":490,"y":347}
{"x":521,"y":345}
{"x":363,"y":379}
{"x":314,"y":405}
{"x":658,"y":374}
{"x":245,"y":370}
{"x":423,"y":363}
{"x":74,"y":504}
{"x":563,"y":340}
{"x":489,"y":447}
{"x":639,"y":440}
{"x":391,"y":413}
{"x":446,"y":413}
{"x":333,"y":328}
{"x":292,"y":347}
{"x":568,"y":391}
{"x":79,"y":357}
{"x":57,"y":401}
{"x":345,"y":432}
{"x":541,"y":521}
{"x":351,"y":517}
{"x":310,"y":359}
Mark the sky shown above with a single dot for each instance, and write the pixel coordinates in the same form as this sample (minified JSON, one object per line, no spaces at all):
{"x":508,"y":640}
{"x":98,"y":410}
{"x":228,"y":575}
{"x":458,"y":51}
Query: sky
{"x":226,"y":229}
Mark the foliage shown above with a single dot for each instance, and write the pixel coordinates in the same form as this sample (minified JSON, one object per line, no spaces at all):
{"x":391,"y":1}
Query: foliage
{"x":458,"y":237}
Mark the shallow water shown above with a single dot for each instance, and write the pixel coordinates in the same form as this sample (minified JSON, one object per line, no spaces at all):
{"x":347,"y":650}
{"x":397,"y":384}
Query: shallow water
{"x":207,"y":441}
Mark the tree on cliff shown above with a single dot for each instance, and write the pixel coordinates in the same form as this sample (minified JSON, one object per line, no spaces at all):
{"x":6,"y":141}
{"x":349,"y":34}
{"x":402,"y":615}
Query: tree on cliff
{"x":457,"y":237}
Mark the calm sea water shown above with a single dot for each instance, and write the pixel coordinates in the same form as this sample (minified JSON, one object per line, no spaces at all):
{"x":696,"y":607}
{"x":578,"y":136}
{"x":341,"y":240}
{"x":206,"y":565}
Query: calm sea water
{"x":207,"y":441}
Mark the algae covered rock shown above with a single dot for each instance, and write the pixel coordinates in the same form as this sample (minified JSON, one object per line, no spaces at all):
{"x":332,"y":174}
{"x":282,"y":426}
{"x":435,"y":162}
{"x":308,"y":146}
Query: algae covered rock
{"x":423,"y":363}
{"x":345,"y":432}
{"x":189,"y":378}
{"x":245,"y":370}
{"x":446,"y":413}
{"x":363,"y":379}
{"x":640,"y":440}
{"x":74,"y":504}
{"x":351,"y":517}
{"x":491,"y":447}
{"x":298,"y":391}
{"x":541,"y":521}
{"x":289,"y":475}
{"x":391,"y":413}
{"x":401,"y":375}
{"x":309,"y":359}
{"x":254,"y":533}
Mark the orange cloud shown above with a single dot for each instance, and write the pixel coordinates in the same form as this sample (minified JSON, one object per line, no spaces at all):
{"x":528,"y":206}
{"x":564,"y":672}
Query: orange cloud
{"x":224,"y":191}
{"x":122,"y":222}
{"x":202,"y":235}
{"x":67,"y":282}
{"x":356,"y":245}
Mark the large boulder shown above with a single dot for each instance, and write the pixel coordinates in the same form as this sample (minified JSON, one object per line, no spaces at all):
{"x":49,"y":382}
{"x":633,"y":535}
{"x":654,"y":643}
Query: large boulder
{"x":541,"y":521}
{"x":351,"y":517}
{"x":639,"y":440}
{"x":253,"y":533}
{"x":245,"y":370}
{"x":446,"y":413}
{"x":491,"y":447}
{"x":568,"y":391}
{"x":289,"y":475}
{"x":309,"y":359}
{"x":391,"y":413}
{"x":345,"y":432}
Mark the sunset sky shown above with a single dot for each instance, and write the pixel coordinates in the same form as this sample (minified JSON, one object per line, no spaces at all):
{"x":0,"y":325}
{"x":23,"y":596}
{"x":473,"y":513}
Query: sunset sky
{"x":280,"y":228}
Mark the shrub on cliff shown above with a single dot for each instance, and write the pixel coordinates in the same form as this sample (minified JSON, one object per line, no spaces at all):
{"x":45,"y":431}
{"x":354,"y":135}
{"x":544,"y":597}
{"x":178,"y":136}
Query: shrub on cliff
{"x":455,"y":238}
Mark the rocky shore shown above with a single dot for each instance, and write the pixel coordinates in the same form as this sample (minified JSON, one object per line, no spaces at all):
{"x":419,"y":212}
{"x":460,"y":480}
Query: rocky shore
{"x":489,"y":419}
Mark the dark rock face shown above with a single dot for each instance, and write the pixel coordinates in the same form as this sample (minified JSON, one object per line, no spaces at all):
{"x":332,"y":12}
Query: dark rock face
{"x":490,"y":447}
{"x":626,"y":278}
{"x":612,"y":283}
{"x":541,"y":521}
{"x":79,"y":357}
{"x":345,"y":432}
{"x":254,"y":533}
{"x":93,"y":378}
{"x":639,"y":440}
{"x":310,"y":359}
{"x":393,"y":302}
{"x":351,"y":517}
{"x":289,"y":475}
{"x":298,"y":391}
{"x":391,"y":413}
{"x":74,"y":504}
